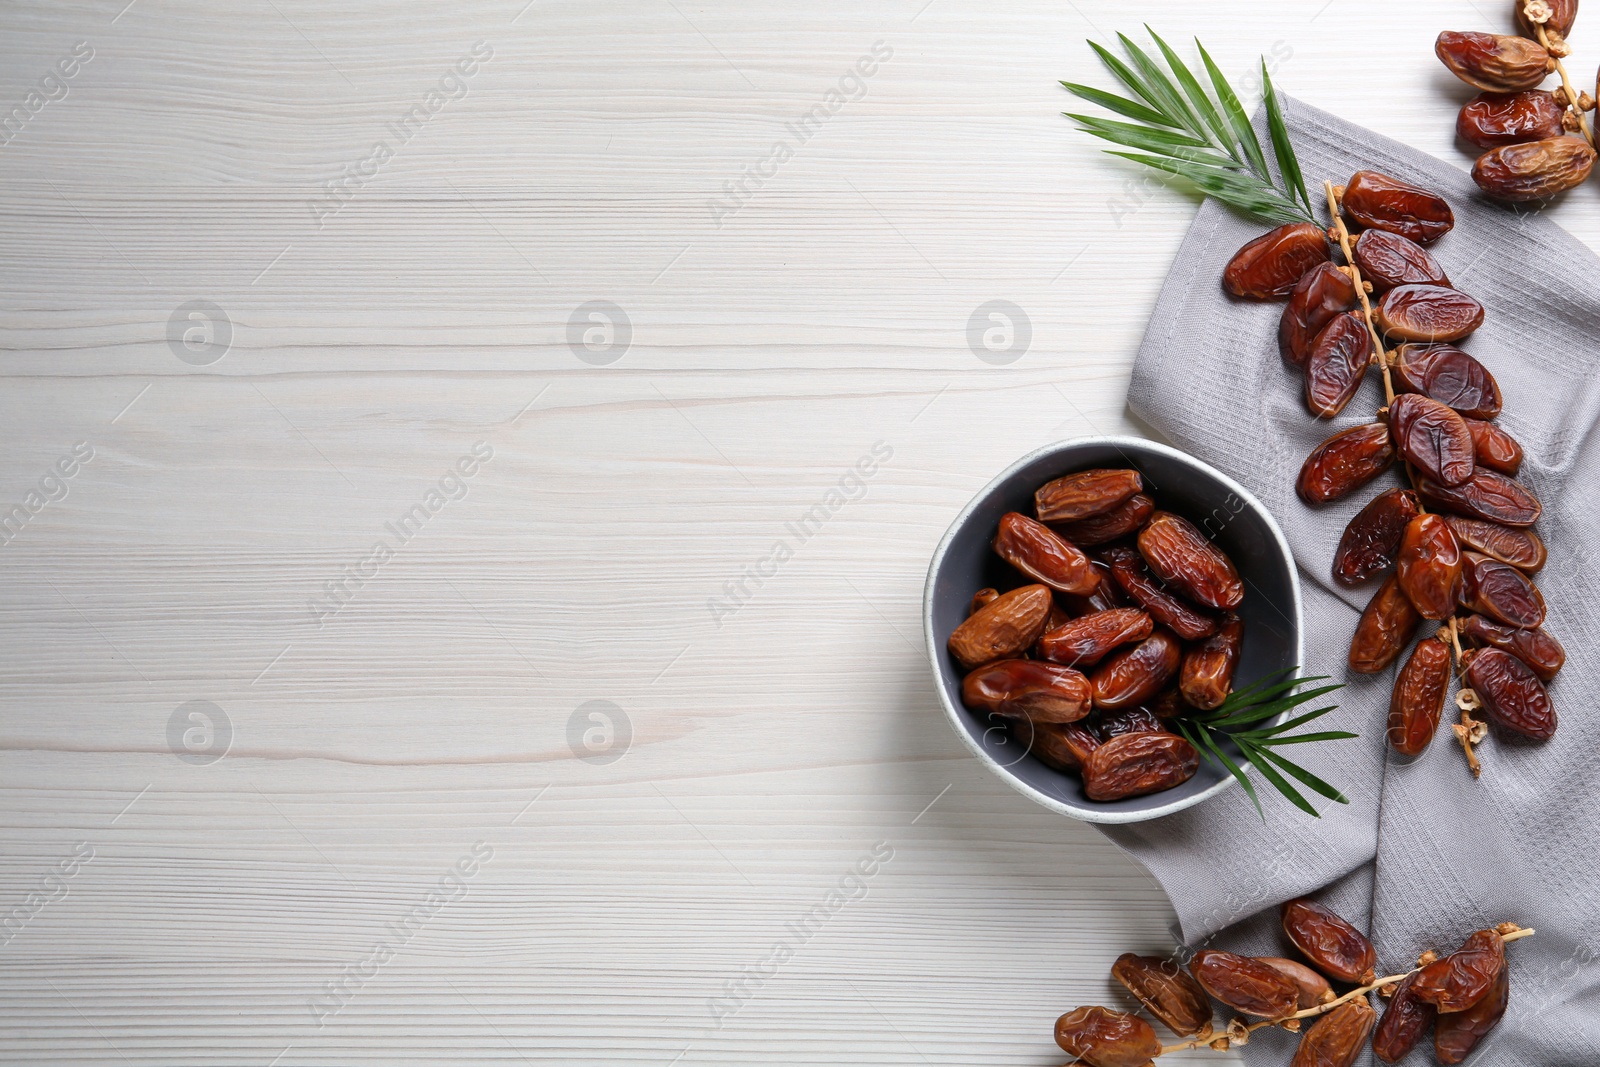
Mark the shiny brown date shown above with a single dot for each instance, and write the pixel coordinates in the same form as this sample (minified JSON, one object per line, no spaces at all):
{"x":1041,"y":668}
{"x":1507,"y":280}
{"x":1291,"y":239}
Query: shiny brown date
{"x":1107,"y":595}
{"x":1043,"y":692}
{"x":1085,"y":641}
{"x":1404,"y":1022}
{"x":1345,"y":462}
{"x":1433,"y":438}
{"x":1120,"y":521}
{"x":1562,"y":14}
{"x":1035,"y":550}
{"x":1487,"y":495}
{"x":1457,"y":1034}
{"x":1314,"y":989}
{"x":1494,"y":448}
{"x":1380,"y":202}
{"x":1004,"y":628}
{"x":1167,"y":609}
{"x":1429,"y":566}
{"x":1182,"y":556}
{"x":1273,"y":263}
{"x":1336,"y":948}
{"x":1244,"y":984}
{"x":1523,"y":549}
{"x":1387,"y":260}
{"x":1337,"y":1038}
{"x":1337,"y":364}
{"x":982,"y":599}
{"x":1458,"y":981}
{"x":1533,"y":171}
{"x":1101,"y":1037}
{"x":1166,"y":990}
{"x":1385,"y":629}
{"x":1493,"y":62}
{"x":1427,"y":313}
{"x":1372,"y":540}
{"x":1134,"y":765}
{"x":1136,"y":674}
{"x":1450,"y":376}
{"x":1419,"y":695}
{"x":1063,"y":748}
{"x":1206,"y":677}
{"x":1324,"y":293}
{"x":1501,"y":592}
{"x":1139,"y":720}
{"x":1490,"y":120}
{"x":1541,"y":652}
{"x":1512,"y":694}
{"x":1085,"y":494}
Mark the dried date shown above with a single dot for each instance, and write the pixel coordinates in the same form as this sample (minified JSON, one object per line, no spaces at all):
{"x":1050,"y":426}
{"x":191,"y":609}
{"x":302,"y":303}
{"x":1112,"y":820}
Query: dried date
{"x":1206,"y":677}
{"x":1429,"y":566}
{"x":1494,"y":62}
{"x":1511,"y":693}
{"x":1533,"y":171}
{"x":1501,"y":592}
{"x":1120,"y":521}
{"x":1419,"y":697}
{"x":1490,"y":120}
{"x":1181,"y":556}
{"x":1387,"y":260}
{"x":1324,"y":293}
{"x":1043,"y":692}
{"x":1314,"y":989}
{"x":1244,"y":984}
{"x":1433,"y":438}
{"x":1337,"y":949}
{"x":1372,"y":540}
{"x":1166,"y":990}
{"x":1101,"y":1037}
{"x":1404,"y":1022}
{"x":1562,"y":15}
{"x":1427,"y":313}
{"x":1380,"y":202}
{"x":1457,"y":1034}
{"x":1541,"y":652}
{"x":1523,"y":549}
{"x":1458,"y":981}
{"x":1136,"y":674}
{"x":1345,"y":462}
{"x":1085,"y":641}
{"x":1140,"y":720}
{"x":982,"y":599}
{"x":1085,"y":494}
{"x":1167,"y":609}
{"x":1035,"y":550}
{"x":1450,"y":376}
{"x":1337,"y":1038}
{"x":1487,"y":495}
{"x":1494,"y":448}
{"x":1134,"y":765}
{"x":1062,"y":748}
{"x":1273,"y":263}
{"x":1004,"y":628}
{"x":1337,"y":364}
{"x":1385,"y":629}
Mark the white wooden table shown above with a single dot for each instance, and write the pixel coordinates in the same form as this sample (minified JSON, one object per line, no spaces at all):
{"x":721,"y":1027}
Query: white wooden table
{"x":263,"y":693}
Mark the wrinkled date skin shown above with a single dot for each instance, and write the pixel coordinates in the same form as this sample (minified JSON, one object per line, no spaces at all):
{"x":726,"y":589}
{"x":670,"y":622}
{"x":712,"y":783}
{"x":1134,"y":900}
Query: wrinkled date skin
{"x":1085,"y":494}
{"x":1458,"y":981}
{"x":1404,"y":1022}
{"x":1035,"y":550}
{"x":1244,"y":984}
{"x":1487,"y":495}
{"x":1206,"y":678}
{"x":1387,"y":260}
{"x":1380,"y":202}
{"x":1166,"y":990}
{"x":1140,"y":720}
{"x":1004,"y":628}
{"x":1337,"y":949}
{"x":1541,"y":652}
{"x":1385,"y":629}
{"x":1133,"y":765}
{"x":1493,"y":62}
{"x":1171,"y":611}
{"x":1501,"y":592}
{"x":1181,"y":556}
{"x":1522,"y":549}
{"x":1085,"y":641}
{"x":1120,"y":521}
{"x":1345,"y":462}
{"x":1456,"y":1035}
{"x":1494,"y":448}
{"x":1063,"y":748}
{"x":1323,"y":294}
{"x":1372,"y":540}
{"x":1337,"y":1038}
{"x":1427,"y":313}
{"x":1043,"y":692}
{"x":1273,"y":263}
{"x":1491,"y":120}
{"x":1136,"y":674}
{"x":1101,"y":1037}
{"x":1450,"y":376}
{"x":1562,"y":14}
{"x":1429,"y":566}
{"x":1419,"y":695}
{"x":1337,"y":364}
{"x":1432,"y":438}
{"x":1512,"y":694}
{"x":1314,"y":989}
{"x":1533,"y":171}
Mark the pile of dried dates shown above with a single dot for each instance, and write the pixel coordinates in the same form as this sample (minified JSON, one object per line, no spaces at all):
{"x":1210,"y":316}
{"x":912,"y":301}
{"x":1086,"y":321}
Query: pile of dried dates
{"x":1456,"y":546}
{"x":1460,"y":996}
{"x":1122,"y":618}
{"x":1525,"y":130}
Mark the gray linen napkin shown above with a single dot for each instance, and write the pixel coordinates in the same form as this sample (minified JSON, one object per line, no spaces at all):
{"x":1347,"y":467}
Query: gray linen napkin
{"x":1423,"y":851}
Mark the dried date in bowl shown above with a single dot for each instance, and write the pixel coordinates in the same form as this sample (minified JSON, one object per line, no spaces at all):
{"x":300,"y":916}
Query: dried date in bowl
{"x":1220,"y":507}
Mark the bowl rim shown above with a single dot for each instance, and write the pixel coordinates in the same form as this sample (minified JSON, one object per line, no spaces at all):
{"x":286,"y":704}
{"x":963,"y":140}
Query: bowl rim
{"x":953,"y":714}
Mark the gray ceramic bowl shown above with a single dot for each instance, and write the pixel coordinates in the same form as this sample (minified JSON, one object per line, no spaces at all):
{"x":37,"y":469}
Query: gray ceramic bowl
{"x":1236,"y":520}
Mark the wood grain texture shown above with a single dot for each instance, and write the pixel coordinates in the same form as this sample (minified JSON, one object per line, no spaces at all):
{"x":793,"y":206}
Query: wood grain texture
{"x":370,"y":349}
